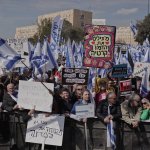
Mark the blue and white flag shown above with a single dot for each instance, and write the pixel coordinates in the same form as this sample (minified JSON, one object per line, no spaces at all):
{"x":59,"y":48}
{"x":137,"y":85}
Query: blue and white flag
{"x":37,"y":57}
{"x":52,"y":60}
{"x":8,"y":56}
{"x":42,"y":66}
{"x":31,"y":53}
{"x":111,"y":137}
{"x":90,"y":80}
{"x":59,"y":31}
{"x":68,"y":61}
{"x":55,"y":33}
{"x":133,"y":29}
{"x":145,"y":84}
{"x":147,"y":56}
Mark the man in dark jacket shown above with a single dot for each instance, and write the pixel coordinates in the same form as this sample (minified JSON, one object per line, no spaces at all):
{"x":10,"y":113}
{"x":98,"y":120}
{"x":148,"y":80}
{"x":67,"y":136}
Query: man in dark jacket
{"x":109,"y":110}
{"x":10,"y":99}
{"x":110,"y":104}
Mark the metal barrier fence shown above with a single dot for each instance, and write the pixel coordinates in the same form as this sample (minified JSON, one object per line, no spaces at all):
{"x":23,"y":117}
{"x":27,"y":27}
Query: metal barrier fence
{"x":74,"y":135}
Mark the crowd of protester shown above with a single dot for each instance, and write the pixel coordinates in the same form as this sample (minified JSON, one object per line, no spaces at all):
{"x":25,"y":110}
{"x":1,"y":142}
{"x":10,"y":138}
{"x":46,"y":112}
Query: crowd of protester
{"x":132,"y":108}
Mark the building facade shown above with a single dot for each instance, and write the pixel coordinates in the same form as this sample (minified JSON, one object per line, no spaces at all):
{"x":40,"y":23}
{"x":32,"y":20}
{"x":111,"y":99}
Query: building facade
{"x":124,"y":35}
{"x":26,"y":31}
{"x":99,"y":21}
{"x":78,"y":18}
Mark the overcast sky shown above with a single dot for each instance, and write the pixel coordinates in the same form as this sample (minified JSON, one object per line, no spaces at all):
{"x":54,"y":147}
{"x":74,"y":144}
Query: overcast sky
{"x":17,"y":13}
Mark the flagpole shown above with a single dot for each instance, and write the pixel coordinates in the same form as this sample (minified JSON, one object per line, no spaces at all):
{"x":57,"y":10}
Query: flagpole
{"x":148,"y":8}
{"x":86,"y":136}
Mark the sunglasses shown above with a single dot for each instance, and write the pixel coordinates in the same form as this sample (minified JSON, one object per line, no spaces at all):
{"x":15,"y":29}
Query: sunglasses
{"x":144,"y":103}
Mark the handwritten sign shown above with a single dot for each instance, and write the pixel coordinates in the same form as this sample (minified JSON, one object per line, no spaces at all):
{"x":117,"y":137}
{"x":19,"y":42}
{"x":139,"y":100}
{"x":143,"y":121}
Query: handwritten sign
{"x":34,"y":94}
{"x":85,"y":111}
{"x":139,"y":68}
{"x":119,"y":71}
{"x":75,"y":76}
{"x":47,"y":130}
{"x":99,"y":45}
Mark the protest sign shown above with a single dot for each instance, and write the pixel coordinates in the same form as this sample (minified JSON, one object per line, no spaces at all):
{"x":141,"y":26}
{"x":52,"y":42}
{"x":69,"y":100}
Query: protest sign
{"x":45,"y":130}
{"x":139,"y":68}
{"x":35,"y":95}
{"x":125,"y":87}
{"x":119,"y":71}
{"x":72,"y":76}
{"x":99,"y":45}
{"x":85,"y":111}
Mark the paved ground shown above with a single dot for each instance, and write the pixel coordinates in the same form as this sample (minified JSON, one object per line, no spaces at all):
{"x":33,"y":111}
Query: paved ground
{"x":4,"y":146}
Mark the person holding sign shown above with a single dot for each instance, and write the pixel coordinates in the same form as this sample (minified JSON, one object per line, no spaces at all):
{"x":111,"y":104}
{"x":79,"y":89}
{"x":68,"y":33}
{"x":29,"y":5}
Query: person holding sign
{"x":10,"y":103}
{"x":84,"y":101}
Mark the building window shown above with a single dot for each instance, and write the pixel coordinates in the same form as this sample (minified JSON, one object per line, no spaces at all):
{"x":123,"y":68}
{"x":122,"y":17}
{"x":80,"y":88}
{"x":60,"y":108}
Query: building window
{"x":82,"y":24}
{"x":82,"y":16}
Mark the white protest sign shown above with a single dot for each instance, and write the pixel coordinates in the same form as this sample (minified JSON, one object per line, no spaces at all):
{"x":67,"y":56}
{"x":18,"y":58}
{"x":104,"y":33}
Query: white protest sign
{"x":35,"y":95}
{"x":139,"y":68}
{"x":85,"y":111}
{"x":45,"y":130}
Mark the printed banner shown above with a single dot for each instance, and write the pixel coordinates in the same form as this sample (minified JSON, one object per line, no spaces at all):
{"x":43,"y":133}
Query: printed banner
{"x":85,"y":111}
{"x":72,"y":76}
{"x":99,"y":45}
{"x":125,"y":87}
{"x":35,"y":95}
{"x":119,"y":71}
{"x":45,"y":130}
{"x":139,"y":68}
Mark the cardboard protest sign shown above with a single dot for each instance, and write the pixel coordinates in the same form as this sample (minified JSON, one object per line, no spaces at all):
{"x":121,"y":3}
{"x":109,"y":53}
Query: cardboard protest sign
{"x":85,"y":111}
{"x":99,"y":45}
{"x":139,"y":68}
{"x":45,"y":130}
{"x":119,"y":71}
{"x":125,"y":87}
{"x":35,"y":95}
{"x":72,"y":76}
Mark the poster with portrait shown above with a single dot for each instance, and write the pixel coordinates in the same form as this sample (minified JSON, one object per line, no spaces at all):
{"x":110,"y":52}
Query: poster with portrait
{"x":99,"y":45}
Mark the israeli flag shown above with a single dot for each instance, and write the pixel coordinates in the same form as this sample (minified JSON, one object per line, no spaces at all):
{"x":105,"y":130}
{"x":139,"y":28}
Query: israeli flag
{"x":133,"y":29}
{"x":8,"y":56}
{"x":68,"y":61}
{"x":31,"y":52}
{"x":145,"y":84}
{"x":147,"y":56}
{"x":111,"y":137}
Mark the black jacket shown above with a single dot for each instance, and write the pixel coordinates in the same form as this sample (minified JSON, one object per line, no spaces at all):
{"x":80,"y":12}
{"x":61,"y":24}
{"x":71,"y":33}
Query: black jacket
{"x":102,"y":110}
{"x":8,"y":102}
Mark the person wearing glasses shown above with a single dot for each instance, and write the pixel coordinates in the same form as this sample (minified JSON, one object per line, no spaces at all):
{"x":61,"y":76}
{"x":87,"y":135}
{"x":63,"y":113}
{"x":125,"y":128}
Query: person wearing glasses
{"x":131,"y":110}
{"x":145,"y":115}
